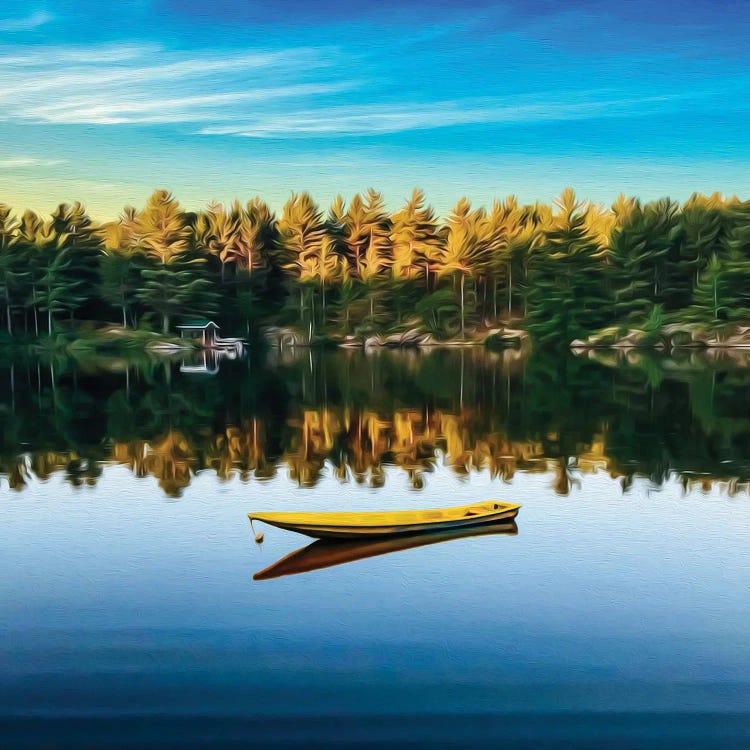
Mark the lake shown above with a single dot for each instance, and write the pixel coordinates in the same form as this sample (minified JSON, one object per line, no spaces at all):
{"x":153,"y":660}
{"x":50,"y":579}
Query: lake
{"x":615,"y":614}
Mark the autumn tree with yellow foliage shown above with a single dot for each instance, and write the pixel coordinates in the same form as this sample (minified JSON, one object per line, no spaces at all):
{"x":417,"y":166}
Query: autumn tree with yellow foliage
{"x":562,"y":271}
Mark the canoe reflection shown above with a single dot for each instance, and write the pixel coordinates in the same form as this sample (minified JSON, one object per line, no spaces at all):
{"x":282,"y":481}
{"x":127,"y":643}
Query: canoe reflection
{"x":325,"y":553}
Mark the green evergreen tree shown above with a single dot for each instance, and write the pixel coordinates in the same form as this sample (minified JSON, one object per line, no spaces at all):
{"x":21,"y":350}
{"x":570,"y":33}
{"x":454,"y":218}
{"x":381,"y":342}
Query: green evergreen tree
{"x":567,"y":297}
{"x":736,"y":248}
{"x":641,"y":247}
{"x":120,"y":273}
{"x":714,"y":299}
{"x":60,"y":289}
{"x":35,"y":238}
{"x":11,"y":265}
{"x":177,"y":289}
{"x":703,"y":224}
{"x":76,"y":236}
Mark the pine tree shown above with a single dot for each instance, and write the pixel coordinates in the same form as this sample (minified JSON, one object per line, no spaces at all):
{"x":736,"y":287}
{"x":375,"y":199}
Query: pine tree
{"x":328,"y":270}
{"x":505,"y":228}
{"x":34,"y":243}
{"x":460,"y":253}
{"x":120,"y":266}
{"x":161,"y":229}
{"x":120,"y":275}
{"x":366,"y":237}
{"x":11,"y":265}
{"x":301,"y":235}
{"x":170,"y":276}
{"x":177,"y":288}
{"x":78,"y":237}
{"x":703,"y":223}
{"x":60,"y":287}
{"x":566,"y":297}
{"x":736,"y":248}
{"x":414,"y":238}
{"x":642,"y":244}
{"x":714,"y":299}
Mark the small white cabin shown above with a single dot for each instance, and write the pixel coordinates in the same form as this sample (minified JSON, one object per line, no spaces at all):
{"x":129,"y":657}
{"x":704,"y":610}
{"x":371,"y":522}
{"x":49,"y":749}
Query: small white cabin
{"x":205,"y":330}
{"x":208,"y":333}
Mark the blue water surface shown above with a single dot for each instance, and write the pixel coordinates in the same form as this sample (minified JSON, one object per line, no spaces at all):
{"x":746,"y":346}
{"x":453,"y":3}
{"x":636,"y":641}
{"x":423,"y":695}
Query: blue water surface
{"x":611,"y":619}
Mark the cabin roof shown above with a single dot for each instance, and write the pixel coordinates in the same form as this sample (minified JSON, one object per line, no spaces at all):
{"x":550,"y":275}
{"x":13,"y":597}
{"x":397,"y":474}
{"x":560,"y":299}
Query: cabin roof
{"x":198,"y":325}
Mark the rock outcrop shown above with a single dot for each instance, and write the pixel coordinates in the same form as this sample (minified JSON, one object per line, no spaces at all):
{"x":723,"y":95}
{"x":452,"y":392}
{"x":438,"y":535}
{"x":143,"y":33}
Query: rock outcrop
{"x":673,"y":336}
{"x":284,"y":337}
{"x":503,"y":338}
{"x":617,"y":338}
{"x":695,"y":336}
{"x":411,"y":338}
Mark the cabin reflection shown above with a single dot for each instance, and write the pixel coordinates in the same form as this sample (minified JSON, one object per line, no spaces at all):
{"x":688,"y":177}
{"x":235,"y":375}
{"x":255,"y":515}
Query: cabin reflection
{"x":207,"y":361}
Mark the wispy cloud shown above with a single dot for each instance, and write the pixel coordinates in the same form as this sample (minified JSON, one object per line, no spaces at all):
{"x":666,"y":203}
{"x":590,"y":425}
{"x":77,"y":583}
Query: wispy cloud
{"x":26,"y":23}
{"x":48,"y":56}
{"x":256,"y":93}
{"x":15,"y":162}
{"x":188,"y":109}
{"x":382,"y":119}
{"x":113,"y":84}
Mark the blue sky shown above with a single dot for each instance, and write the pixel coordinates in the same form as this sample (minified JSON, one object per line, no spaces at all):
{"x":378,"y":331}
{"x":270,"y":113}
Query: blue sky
{"x":225,"y":98}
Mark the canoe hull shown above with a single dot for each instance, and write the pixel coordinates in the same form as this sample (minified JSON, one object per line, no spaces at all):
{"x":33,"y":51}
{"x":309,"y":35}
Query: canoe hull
{"x":342,"y":528}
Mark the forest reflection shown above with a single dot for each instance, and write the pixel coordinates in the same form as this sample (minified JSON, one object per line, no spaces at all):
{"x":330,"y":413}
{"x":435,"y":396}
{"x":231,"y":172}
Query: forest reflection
{"x":305,"y":414}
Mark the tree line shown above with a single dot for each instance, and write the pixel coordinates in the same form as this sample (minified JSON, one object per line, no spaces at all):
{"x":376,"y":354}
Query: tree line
{"x":561,"y":270}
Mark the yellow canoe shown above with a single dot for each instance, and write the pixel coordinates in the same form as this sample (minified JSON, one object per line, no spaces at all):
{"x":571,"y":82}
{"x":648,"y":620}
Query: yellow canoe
{"x":326,"y":553}
{"x":384,"y":523}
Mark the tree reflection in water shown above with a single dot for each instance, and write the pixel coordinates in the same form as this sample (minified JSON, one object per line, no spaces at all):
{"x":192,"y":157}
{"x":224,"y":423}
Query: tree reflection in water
{"x":353,"y":414}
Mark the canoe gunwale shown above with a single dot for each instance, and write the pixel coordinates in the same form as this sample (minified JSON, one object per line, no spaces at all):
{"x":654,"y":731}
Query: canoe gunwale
{"x":360,"y":529}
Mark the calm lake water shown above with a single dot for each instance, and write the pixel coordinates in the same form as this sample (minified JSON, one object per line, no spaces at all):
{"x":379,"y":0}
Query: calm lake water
{"x":616,"y":615}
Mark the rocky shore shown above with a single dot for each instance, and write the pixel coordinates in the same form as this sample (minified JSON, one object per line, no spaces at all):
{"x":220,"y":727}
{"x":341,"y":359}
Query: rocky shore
{"x":409,"y":339}
{"x":674,"y":336}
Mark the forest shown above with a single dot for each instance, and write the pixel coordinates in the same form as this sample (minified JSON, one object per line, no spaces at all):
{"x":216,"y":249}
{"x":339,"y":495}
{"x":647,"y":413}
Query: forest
{"x":560,"y":271}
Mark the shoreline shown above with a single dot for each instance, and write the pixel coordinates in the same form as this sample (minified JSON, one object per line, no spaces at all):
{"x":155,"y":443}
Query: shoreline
{"x":115,"y":338}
